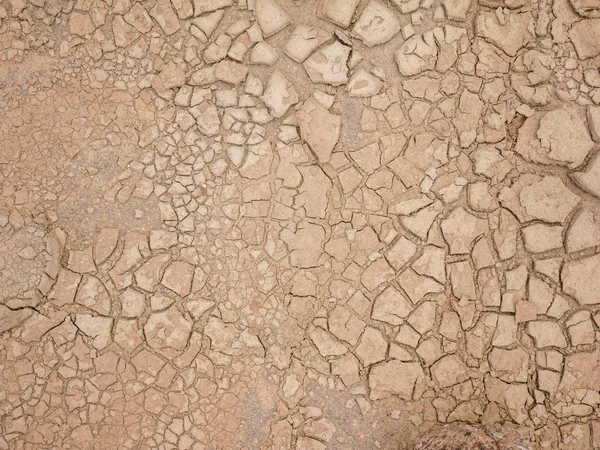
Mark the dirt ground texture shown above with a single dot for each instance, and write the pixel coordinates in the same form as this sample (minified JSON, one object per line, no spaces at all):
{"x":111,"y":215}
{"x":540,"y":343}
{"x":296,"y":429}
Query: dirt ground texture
{"x":310,"y":224}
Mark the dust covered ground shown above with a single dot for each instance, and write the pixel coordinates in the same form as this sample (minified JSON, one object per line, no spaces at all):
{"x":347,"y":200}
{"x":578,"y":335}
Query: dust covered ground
{"x":310,"y":224}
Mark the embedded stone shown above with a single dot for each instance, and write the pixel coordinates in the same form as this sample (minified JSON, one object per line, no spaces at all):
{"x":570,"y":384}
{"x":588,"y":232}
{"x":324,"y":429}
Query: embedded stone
{"x":466,"y":437}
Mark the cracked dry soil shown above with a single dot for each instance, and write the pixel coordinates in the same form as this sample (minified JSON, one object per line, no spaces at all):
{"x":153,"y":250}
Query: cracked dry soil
{"x":310,"y":224}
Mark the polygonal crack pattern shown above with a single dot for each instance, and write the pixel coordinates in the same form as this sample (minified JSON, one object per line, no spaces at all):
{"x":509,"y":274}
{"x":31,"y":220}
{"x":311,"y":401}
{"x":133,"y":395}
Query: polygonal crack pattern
{"x":307,"y":224}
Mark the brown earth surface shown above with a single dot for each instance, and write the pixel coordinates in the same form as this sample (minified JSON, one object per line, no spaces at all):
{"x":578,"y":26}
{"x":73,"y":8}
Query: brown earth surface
{"x":318,"y":224}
